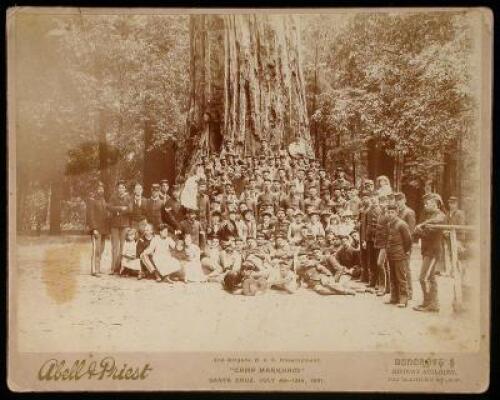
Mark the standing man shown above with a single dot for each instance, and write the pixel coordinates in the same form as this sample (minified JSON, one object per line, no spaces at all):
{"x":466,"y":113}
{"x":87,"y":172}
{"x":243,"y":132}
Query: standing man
{"x":203,"y":202}
{"x":455,"y":215}
{"x":372,"y":214}
{"x":97,"y":219}
{"x":155,"y":206}
{"x":381,"y":233}
{"x":119,"y":221}
{"x":398,"y":252}
{"x":363,"y":212}
{"x":408,"y":216}
{"x":431,"y":251}
{"x":138,"y":209}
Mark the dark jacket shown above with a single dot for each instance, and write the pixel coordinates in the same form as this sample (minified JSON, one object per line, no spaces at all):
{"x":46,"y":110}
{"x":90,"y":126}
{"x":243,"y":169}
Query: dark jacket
{"x":408,"y":216}
{"x":363,"y":212}
{"x":119,"y":208}
{"x":154,"y":212}
{"x":138,"y":212}
{"x":193,"y":228}
{"x":381,"y":231}
{"x":171,"y":213}
{"x":371,"y":222}
{"x":431,"y":239}
{"x":97,"y":216}
{"x":398,"y":240}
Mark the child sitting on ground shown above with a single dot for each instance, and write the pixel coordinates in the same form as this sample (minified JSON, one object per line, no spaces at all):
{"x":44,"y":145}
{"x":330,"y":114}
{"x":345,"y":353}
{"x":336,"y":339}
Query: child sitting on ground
{"x":130,"y":261}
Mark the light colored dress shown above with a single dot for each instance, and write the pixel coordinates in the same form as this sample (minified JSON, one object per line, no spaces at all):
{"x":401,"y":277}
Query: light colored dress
{"x":130,"y":250}
{"x":162,"y":258}
{"x":192,"y":267}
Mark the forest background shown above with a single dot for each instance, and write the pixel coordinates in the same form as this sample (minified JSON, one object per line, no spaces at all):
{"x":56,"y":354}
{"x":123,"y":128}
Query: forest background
{"x":107,"y":97}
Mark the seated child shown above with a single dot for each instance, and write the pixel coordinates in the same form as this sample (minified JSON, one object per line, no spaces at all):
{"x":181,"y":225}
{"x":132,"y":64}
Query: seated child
{"x":192,"y":267}
{"x":158,"y":256}
{"x":130,"y":261}
{"x":210,"y":260}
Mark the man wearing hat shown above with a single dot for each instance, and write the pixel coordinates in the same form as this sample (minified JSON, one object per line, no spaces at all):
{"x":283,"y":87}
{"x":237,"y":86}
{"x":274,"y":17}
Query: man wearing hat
{"x":155,"y":207}
{"x":398,"y":253}
{"x":118,"y":207}
{"x":98,"y":222}
{"x":430,"y":247}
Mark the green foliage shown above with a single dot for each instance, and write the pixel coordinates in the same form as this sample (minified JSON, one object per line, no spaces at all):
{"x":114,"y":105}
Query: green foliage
{"x":402,"y":79}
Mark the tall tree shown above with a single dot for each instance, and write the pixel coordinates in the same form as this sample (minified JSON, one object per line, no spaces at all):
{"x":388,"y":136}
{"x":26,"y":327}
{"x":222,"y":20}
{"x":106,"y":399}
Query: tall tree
{"x":246,"y":83}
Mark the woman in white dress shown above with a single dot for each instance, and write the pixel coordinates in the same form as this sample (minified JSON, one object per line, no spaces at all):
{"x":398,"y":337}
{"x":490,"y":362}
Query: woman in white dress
{"x":159,"y":250}
{"x":193,"y":271}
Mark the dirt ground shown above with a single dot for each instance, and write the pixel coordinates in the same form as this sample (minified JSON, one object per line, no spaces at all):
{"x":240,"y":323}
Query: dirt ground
{"x":62,"y":308}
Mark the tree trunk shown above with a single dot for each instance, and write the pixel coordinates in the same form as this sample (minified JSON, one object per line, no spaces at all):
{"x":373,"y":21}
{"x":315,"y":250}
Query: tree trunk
{"x":246,"y":75}
{"x":56,"y":194}
{"x":103,"y":153}
{"x":159,"y":162}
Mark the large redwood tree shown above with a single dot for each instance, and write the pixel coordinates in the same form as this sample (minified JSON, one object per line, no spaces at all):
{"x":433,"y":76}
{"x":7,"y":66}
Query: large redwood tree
{"x":247,"y":84}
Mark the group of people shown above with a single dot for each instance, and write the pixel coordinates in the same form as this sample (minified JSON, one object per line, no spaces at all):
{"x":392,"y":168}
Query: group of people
{"x":273,"y":221}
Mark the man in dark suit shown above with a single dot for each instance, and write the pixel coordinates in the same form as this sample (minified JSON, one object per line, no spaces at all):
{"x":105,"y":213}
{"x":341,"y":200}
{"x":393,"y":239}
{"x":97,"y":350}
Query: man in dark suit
{"x":138,"y":209}
{"x":431,"y":245}
{"x":398,"y":250}
{"x":119,"y":222}
{"x":408,"y":216}
{"x":155,"y":207}
{"x":97,"y":220}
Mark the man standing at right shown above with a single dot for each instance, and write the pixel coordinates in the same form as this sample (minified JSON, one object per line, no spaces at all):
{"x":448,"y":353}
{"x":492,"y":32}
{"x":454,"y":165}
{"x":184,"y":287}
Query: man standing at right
{"x":431,"y":250}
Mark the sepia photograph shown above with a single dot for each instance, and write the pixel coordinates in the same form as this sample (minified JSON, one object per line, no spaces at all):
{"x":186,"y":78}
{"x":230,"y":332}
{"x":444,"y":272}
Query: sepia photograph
{"x":257,"y":200}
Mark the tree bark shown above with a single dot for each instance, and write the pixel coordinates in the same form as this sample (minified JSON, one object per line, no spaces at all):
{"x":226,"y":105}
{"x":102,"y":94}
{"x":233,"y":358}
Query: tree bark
{"x":56,"y":195}
{"x":246,"y":74}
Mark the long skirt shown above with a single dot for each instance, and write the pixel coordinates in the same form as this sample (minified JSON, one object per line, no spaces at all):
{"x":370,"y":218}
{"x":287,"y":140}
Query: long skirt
{"x":193,"y":271}
{"x":165,"y":264}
